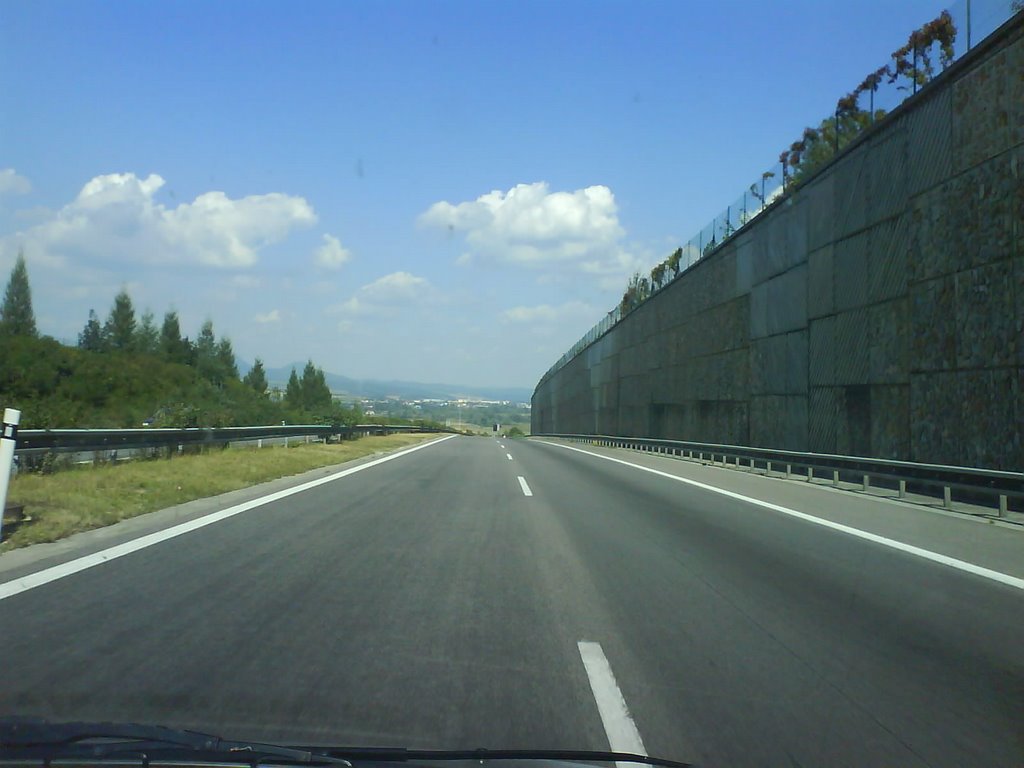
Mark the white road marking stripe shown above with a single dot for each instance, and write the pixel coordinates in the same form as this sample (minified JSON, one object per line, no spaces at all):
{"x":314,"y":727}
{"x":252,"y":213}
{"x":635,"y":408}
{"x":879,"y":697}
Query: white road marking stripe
{"x":618,"y":723}
{"x":509,"y":456}
{"x":45,"y":576}
{"x":935,"y":557}
{"x":524,"y":486}
{"x":501,"y":446}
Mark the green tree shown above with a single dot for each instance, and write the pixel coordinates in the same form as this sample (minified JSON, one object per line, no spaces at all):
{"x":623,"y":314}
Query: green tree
{"x":819,"y":145}
{"x":256,"y":378}
{"x":207,"y":362}
{"x":658,"y":274}
{"x":119,"y":330}
{"x":91,"y":337}
{"x":16,"y":316}
{"x":637,"y":291}
{"x":226,"y":359}
{"x":673,"y":261}
{"x":293,"y":392}
{"x":173,"y":347}
{"x":315,"y":394}
{"x":147,"y":336}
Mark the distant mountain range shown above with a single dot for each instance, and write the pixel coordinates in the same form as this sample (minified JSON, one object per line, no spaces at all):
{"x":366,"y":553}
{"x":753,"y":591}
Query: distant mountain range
{"x":405,"y":390}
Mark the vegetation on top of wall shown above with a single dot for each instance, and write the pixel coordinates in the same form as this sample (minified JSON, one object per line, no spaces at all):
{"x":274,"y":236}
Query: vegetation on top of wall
{"x":911,"y":67}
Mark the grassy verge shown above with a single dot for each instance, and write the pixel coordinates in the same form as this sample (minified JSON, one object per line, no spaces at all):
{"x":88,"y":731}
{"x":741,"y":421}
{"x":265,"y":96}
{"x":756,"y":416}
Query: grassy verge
{"x":91,"y":497}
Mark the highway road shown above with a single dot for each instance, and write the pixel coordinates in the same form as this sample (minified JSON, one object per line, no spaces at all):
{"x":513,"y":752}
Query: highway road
{"x":486,"y":593}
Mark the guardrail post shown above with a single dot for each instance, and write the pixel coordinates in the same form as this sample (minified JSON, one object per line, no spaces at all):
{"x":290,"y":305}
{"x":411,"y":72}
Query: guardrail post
{"x":903,"y":489}
{"x":789,"y":471}
{"x":867,"y":482}
{"x":1002,"y":505}
{"x":835,"y":478}
{"x":947,"y":497}
{"x":768,"y":468}
{"x":8,"y":440}
{"x":810,"y":474}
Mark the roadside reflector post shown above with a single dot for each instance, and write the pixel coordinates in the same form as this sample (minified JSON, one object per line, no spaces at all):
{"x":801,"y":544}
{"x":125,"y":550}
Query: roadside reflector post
{"x":947,"y":497}
{"x":768,"y":468}
{"x":903,"y":489}
{"x":835,"y":478}
{"x":789,"y":471}
{"x":1002,"y":505}
{"x":810,"y":474}
{"x":8,"y":440}
{"x":867,"y":482}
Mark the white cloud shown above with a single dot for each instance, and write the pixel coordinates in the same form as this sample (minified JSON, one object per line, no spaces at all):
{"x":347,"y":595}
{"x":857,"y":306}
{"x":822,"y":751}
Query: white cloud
{"x":12,"y":183}
{"x":331,"y":255}
{"x":117,"y":216}
{"x":396,"y":286}
{"x":531,"y":226}
{"x":389,"y":290}
{"x":272,"y":316}
{"x":546,"y":313}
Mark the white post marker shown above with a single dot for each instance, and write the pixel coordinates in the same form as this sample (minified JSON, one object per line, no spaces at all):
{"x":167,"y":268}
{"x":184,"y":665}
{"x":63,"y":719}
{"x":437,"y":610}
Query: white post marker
{"x":618,"y":723}
{"x":8,"y":439}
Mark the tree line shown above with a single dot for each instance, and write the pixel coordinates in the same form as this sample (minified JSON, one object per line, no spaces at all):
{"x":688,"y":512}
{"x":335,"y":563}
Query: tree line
{"x":128,"y":370}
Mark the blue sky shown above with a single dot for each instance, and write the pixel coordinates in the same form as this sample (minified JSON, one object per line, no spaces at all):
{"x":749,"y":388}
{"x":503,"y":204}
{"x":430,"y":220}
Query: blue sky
{"x":431,"y":191}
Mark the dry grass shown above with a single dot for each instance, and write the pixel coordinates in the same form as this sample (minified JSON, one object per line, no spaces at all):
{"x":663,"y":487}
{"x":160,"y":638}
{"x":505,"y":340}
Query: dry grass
{"x":91,"y":497}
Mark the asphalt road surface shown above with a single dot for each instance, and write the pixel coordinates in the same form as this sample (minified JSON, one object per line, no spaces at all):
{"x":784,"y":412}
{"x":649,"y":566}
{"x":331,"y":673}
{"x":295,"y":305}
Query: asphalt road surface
{"x":485,"y":593}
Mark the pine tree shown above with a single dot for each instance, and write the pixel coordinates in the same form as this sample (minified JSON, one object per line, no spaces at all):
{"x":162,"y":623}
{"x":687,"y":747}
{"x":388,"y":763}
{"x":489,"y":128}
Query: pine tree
{"x":257,"y":377}
{"x":147,"y":336}
{"x":293,"y":392}
{"x":91,"y":337}
{"x":172,"y":346}
{"x":206,"y":354}
{"x":316,"y":395}
{"x":226,"y":359}
{"x":16,"y":316}
{"x":119,"y":330}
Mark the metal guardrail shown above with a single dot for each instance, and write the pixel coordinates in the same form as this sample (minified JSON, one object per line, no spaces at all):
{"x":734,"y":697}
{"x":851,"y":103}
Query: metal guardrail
{"x":927,"y":479}
{"x":30,"y":441}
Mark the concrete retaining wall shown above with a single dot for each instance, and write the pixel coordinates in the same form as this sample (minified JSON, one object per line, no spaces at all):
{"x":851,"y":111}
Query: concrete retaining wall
{"x":877,"y":311}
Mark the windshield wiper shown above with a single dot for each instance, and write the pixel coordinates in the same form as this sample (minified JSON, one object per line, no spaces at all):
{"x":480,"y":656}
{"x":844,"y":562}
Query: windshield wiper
{"x":23,"y":738}
{"x":40,"y":739}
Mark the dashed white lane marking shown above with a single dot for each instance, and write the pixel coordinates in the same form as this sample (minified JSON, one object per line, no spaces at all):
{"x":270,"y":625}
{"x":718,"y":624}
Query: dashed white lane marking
{"x":509,"y":456}
{"x":618,"y":723}
{"x":524,"y":486}
{"x":926,"y":554}
{"x":45,"y":576}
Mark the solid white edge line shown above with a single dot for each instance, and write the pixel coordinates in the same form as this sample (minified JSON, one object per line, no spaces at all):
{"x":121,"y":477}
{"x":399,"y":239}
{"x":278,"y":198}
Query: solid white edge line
{"x":509,"y":456}
{"x":45,"y":576}
{"x":618,"y":723}
{"x":524,"y":486}
{"x":926,"y":554}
